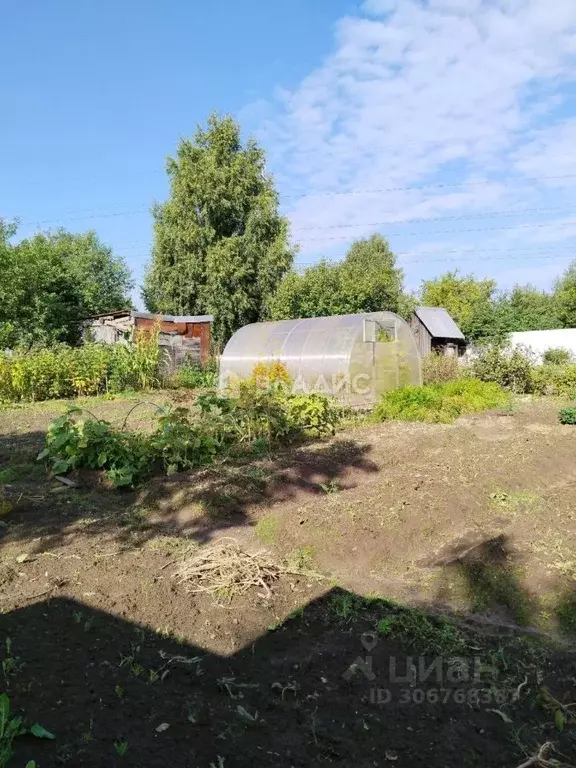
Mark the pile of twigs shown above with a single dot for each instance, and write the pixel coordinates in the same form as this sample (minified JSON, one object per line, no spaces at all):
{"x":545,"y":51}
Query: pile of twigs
{"x":224,"y":569}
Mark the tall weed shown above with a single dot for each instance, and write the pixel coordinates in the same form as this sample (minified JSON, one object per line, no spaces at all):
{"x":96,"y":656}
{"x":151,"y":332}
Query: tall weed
{"x":63,"y":371}
{"x":440,"y":403}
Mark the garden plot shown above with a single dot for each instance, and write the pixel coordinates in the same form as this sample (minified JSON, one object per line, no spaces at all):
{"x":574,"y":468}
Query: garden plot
{"x":154,"y":662}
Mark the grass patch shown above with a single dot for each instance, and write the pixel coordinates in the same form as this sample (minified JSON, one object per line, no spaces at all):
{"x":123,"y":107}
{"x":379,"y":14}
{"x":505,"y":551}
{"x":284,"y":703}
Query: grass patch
{"x":514,"y":501}
{"x":301,"y":559}
{"x":426,"y":633}
{"x":267,"y":529}
{"x":20,"y":471}
{"x":440,"y":403}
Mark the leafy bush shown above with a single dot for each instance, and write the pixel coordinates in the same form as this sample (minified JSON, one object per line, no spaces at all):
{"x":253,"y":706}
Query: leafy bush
{"x":512,"y":369}
{"x":74,"y":443}
{"x":437,"y":369}
{"x":312,"y":414}
{"x":185,"y":437}
{"x":557,"y":356}
{"x":555,"y":380}
{"x":567,"y":415}
{"x":440,"y":402}
{"x":63,"y":371}
{"x":196,"y":376}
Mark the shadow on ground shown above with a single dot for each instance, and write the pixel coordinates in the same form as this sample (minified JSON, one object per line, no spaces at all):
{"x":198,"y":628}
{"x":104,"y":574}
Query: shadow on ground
{"x":324,"y":688}
{"x":198,"y":504}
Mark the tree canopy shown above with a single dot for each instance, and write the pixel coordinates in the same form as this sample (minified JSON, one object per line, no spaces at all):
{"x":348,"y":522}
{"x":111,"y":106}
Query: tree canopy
{"x":50,"y":281}
{"x":220,"y":244}
{"x":468,"y":300}
{"x":367,"y":280}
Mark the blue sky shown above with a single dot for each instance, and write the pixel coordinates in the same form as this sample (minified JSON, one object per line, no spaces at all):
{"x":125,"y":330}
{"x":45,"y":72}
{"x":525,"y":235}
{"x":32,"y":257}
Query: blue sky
{"x":448,"y":125}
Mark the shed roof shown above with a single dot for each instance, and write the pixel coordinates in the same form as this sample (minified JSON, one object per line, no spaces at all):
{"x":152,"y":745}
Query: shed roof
{"x":438,"y":323}
{"x":151,"y":316}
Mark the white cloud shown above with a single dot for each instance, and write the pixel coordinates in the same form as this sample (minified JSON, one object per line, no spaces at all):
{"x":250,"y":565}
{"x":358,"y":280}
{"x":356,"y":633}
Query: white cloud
{"x":427,"y":93}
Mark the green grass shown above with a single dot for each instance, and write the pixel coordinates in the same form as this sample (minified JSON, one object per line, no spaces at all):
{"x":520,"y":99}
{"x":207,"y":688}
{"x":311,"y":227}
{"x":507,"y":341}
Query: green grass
{"x":267,"y":529}
{"x":421,"y":631}
{"x":440,"y":403}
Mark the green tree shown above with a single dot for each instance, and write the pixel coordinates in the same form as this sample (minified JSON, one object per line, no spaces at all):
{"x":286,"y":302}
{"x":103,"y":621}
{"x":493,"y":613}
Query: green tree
{"x":468,"y":300}
{"x":51,"y":281}
{"x":220,"y":245}
{"x":565,"y":297}
{"x":367,"y":280}
{"x":526,"y":308}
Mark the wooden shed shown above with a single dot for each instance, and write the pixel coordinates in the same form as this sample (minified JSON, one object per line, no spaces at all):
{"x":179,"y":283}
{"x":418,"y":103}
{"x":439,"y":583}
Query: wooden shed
{"x":182,"y":337}
{"x":435,"y":331}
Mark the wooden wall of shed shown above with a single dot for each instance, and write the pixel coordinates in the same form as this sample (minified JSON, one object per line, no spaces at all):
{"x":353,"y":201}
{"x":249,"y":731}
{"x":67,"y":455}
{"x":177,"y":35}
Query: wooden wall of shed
{"x":421,"y":335}
{"x":188,"y":330}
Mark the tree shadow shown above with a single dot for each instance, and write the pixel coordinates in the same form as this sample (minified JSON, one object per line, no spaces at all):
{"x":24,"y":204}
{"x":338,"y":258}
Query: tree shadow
{"x":197,"y":504}
{"x":487,"y":569}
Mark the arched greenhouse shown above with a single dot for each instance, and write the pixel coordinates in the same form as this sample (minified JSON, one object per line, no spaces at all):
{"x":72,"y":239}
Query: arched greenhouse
{"x":352,"y":357}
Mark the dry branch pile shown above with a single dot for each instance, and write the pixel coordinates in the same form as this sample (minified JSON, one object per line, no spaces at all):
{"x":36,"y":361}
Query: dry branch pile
{"x":224,"y":569}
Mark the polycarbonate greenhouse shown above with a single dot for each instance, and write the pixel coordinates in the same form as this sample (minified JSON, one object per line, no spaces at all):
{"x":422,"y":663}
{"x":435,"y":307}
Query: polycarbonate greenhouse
{"x":352,"y":357}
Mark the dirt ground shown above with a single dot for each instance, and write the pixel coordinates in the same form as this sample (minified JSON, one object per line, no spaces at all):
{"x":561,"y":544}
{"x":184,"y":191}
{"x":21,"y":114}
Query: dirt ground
{"x":104,"y":646}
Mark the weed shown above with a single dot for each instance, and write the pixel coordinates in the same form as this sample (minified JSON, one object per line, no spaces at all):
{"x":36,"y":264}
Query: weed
{"x":63,"y":372}
{"x":121,"y":748}
{"x":440,"y":402}
{"x":267,"y":529}
{"x":77,"y":616}
{"x":11,"y":665}
{"x":13,"y":727}
{"x":514,"y":501}
{"x":345,"y":606}
{"x":567,"y":415}
{"x":301,"y":559}
{"x":119,"y":691}
{"x":433,"y":635}
{"x":331,"y":486}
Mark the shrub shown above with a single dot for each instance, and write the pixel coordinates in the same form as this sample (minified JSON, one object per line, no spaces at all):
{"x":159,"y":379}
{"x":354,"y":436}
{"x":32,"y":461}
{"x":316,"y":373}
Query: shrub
{"x":63,"y":371}
{"x":555,"y":380}
{"x":512,"y":369}
{"x":196,"y":376}
{"x":567,"y":415}
{"x":185,"y":437}
{"x":440,"y":402}
{"x":557,"y":356}
{"x":437,"y":369}
{"x":313,"y":414}
{"x":74,"y":443}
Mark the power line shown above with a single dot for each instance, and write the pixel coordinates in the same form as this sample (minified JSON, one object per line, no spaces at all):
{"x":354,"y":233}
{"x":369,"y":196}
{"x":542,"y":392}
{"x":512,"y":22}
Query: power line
{"x":451,"y":231}
{"x":488,"y":214}
{"x":434,"y":186}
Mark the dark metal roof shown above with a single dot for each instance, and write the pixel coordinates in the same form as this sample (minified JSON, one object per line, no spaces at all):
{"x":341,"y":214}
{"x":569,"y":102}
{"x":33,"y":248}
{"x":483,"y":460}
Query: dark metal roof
{"x":438,"y":323}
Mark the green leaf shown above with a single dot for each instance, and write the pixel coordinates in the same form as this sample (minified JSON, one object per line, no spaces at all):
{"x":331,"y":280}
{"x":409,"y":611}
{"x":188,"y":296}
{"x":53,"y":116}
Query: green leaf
{"x":40,"y":732}
{"x":30,"y":764}
{"x":4,"y":713}
{"x":61,"y":466}
{"x":559,"y":719}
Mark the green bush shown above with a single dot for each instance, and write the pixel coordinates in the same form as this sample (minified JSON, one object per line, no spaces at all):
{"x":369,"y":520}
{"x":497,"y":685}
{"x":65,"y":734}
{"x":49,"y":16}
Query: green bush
{"x":437,"y":369}
{"x":312,"y":414}
{"x":440,"y":402}
{"x":567,"y":415}
{"x":555,"y":380}
{"x":62,"y":371}
{"x":557,"y":356}
{"x":185,"y":437}
{"x":196,"y":376}
{"x":512,"y":369}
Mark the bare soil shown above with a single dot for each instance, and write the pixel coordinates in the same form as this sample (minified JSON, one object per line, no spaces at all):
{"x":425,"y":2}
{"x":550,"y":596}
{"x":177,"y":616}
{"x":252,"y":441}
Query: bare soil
{"x":476,"y":520}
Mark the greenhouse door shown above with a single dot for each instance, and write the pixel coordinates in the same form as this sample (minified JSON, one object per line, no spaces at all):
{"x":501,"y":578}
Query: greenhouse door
{"x":385,"y":363}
